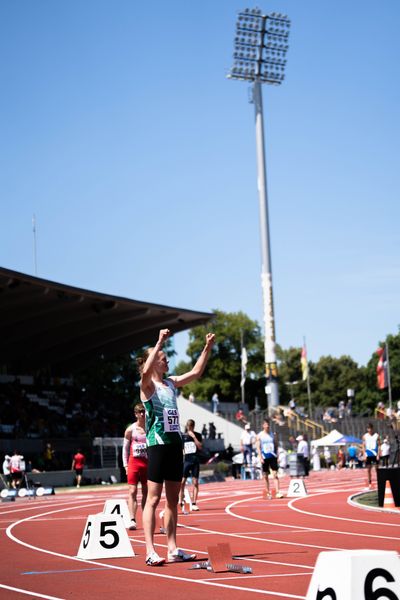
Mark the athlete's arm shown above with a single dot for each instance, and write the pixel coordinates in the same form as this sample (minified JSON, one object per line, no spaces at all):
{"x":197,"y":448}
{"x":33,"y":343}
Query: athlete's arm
{"x":198,"y":444}
{"x":126,"y":446}
{"x":258,"y":446}
{"x":198,"y":369}
{"x":146,"y":384}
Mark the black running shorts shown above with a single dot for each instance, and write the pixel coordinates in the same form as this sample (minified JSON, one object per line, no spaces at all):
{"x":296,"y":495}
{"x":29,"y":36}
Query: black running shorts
{"x":165,"y":463}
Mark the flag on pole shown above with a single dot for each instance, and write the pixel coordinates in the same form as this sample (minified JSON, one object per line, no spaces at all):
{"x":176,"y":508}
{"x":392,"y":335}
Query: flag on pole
{"x":304,"y":362}
{"x":382,"y":369}
{"x":244,"y":366}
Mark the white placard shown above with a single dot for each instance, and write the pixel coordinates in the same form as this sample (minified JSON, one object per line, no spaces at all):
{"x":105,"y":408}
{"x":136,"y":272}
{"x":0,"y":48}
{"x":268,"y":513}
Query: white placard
{"x":105,"y":536}
{"x":297,"y":488}
{"x":356,"y":575}
{"x":118,"y":506}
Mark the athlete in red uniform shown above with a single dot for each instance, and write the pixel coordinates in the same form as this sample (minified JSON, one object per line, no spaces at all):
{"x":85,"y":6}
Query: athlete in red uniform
{"x":78,"y":462}
{"x":134,"y":458}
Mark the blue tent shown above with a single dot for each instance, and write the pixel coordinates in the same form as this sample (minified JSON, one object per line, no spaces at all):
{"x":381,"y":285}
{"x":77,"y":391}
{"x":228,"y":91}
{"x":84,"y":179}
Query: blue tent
{"x":347,"y":439}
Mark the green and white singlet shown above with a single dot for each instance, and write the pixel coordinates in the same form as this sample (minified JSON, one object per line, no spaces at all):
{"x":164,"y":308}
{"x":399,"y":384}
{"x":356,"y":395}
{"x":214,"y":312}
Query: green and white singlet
{"x":162,"y":417}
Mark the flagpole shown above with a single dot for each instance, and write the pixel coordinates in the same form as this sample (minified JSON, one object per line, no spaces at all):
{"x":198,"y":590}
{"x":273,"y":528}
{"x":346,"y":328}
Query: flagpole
{"x":308,"y":383}
{"x":241,"y":367}
{"x":388,"y":377}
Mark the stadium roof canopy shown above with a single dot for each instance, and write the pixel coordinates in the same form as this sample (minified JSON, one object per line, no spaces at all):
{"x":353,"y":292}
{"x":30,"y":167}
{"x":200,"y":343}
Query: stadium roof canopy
{"x":46,"y":324}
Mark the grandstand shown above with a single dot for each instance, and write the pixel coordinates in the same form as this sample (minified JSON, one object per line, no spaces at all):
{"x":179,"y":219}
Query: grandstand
{"x":49,"y":332}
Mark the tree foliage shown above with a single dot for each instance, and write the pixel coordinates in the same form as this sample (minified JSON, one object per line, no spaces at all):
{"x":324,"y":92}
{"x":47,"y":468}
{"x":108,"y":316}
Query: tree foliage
{"x":330,"y":377}
{"x":223,"y":373}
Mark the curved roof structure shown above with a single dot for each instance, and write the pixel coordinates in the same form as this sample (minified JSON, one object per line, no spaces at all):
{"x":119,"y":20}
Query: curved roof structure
{"x":47,"y":324}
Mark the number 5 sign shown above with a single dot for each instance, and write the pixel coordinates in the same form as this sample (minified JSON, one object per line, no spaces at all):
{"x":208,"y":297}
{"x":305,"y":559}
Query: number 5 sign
{"x":356,"y":575}
{"x":105,"y":536}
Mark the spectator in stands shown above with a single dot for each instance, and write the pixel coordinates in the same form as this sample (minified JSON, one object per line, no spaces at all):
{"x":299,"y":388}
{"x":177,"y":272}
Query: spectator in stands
{"x":341,"y":458}
{"x":240,"y":416}
{"x":49,"y":457}
{"x":303,"y":453}
{"x":204,"y":431}
{"x":328,"y":416}
{"x":341,"y":409}
{"x":349,"y":407}
{"x":327,"y":457}
{"x":315,"y":458}
{"x":6,"y":470}
{"x":380,"y":411}
{"x":78,"y":462}
{"x":385,"y":452}
{"x":16,"y":469}
{"x":247,"y":441}
{"x":352,"y":453}
{"x":215,"y":403}
{"x":212,"y":431}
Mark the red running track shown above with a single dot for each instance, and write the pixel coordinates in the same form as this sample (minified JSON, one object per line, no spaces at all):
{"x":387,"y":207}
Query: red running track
{"x":279,"y":539}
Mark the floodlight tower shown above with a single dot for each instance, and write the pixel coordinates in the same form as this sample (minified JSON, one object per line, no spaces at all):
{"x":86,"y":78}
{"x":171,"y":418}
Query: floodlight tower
{"x":261,"y":43}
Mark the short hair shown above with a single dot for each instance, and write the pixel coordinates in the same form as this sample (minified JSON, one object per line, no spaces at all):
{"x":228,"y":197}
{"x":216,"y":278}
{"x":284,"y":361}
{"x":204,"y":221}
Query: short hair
{"x":266,"y":420}
{"x":137,"y":406}
{"x":190,"y":422}
{"x":370,"y":425}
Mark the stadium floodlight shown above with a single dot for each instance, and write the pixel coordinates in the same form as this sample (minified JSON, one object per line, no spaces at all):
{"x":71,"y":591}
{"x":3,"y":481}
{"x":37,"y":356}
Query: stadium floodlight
{"x":261,"y":44}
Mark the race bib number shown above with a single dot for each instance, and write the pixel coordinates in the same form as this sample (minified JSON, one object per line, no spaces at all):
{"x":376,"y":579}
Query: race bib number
{"x":190,"y":448}
{"x":268,"y":448}
{"x":171,"y":420}
{"x":139,"y":450}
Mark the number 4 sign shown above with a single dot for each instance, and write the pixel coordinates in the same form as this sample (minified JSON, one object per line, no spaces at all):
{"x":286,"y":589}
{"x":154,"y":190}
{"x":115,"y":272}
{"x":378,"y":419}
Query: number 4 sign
{"x":356,"y":575}
{"x":105,"y":536}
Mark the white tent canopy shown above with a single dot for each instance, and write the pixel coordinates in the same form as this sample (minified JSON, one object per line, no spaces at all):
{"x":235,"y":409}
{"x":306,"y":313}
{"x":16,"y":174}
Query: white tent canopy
{"x":328,"y":440}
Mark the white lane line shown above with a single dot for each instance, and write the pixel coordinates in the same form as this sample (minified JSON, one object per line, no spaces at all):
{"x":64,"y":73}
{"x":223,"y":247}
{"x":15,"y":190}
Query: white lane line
{"x":309,"y":529}
{"x":263,"y":539}
{"x":138,"y":571}
{"x":28,"y":593}
{"x":313,"y":514}
{"x":259,"y":576}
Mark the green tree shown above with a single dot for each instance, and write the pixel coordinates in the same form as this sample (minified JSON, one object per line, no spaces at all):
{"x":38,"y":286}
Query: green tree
{"x":331,"y":378}
{"x":223,"y":371}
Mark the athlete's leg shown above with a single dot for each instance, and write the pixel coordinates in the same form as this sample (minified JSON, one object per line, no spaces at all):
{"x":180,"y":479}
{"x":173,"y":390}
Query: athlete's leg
{"x":149,"y":513}
{"x":195,"y":491}
{"x":172,"y":489}
{"x":132,"y":501}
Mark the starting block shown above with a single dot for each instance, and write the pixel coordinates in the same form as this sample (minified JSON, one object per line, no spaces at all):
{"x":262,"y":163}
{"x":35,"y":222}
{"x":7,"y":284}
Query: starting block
{"x":363,"y":575}
{"x":105,"y":536}
{"x":118,"y":506}
{"x":220,"y":560}
{"x":297,"y":488}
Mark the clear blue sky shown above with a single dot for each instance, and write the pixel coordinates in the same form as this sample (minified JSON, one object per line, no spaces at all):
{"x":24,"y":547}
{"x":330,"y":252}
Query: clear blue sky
{"x":121,"y":133}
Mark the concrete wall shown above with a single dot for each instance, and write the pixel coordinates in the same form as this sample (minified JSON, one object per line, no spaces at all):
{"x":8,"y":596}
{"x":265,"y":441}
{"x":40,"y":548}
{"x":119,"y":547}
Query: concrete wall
{"x":67,"y":478}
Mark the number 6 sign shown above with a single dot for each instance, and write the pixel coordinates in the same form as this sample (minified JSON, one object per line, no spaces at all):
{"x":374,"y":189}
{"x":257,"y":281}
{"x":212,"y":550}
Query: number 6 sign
{"x":105,"y":536}
{"x":356,"y":575}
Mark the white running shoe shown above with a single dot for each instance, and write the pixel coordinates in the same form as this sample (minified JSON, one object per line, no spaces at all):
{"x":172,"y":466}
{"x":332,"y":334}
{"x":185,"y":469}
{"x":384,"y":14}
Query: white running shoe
{"x":133,"y":525}
{"x":153,"y":560}
{"x":179,"y":555}
{"x":194,"y":506}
